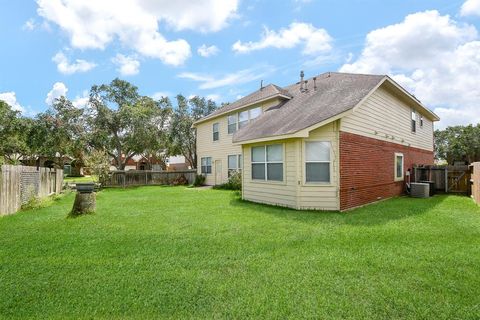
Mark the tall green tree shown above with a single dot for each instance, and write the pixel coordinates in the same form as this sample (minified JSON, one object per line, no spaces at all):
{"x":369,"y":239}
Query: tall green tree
{"x":14,"y":130}
{"x":182,"y":136}
{"x":458,"y":143}
{"x":59,"y":132}
{"x":124,"y":123}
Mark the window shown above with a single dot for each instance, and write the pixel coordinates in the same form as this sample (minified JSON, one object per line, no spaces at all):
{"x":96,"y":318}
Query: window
{"x":255,"y":113}
{"x":232,"y":123}
{"x":216,"y":134}
{"x":206,"y":165}
{"x":242,"y":119}
{"x":399,"y":167}
{"x":421,"y":121}
{"x":267,"y":162}
{"x":414,"y":120}
{"x":317,"y":161}
{"x":234,"y":163}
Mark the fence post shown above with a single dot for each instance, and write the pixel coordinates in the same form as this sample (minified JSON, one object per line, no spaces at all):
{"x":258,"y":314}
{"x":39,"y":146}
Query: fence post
{"x":446,"y":179}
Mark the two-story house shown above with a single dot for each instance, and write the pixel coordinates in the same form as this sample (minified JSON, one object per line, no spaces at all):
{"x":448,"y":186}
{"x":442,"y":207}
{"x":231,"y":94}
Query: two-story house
{"x":332,"y":142}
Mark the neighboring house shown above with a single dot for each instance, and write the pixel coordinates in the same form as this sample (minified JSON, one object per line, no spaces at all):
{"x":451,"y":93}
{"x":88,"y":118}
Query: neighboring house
{"x":140,"y":162}
{"x":332,"y":142}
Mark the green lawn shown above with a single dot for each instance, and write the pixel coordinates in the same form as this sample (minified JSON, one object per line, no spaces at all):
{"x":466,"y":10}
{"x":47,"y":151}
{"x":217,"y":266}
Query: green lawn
{"x":79,"y":179}
{"x":175,"y":252}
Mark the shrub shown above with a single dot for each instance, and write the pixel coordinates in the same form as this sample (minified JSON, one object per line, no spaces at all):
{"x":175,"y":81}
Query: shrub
{"x":180,"y":181}
{"x":234,"y":182}
{"x":199,"y":180}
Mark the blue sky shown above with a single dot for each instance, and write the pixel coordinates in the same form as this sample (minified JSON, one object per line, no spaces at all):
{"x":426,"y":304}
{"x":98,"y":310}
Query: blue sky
{"x":223,"y":48}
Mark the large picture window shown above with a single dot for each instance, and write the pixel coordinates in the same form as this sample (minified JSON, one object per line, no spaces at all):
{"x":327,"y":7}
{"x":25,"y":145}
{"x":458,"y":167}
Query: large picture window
{"x":206,"y":164}
{"x":399,"y":167}
{"x":267,"y":162}
{"x":317,"y":161}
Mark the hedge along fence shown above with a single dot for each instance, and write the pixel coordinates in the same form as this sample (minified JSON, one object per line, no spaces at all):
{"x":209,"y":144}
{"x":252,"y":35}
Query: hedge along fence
{"x":20,"y":184}
{"x":475,"y":180}
{"x":147,"y":177}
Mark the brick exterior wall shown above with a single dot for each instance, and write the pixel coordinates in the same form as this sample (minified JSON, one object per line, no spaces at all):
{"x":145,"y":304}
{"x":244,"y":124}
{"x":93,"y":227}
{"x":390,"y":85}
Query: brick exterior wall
{"x":367,"y":169}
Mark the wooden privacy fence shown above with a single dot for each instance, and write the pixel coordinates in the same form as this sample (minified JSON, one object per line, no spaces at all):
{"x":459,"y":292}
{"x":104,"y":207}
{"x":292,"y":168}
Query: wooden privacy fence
{"x":449,"y":179}
{"x":475,"y":180}
{"x":147,"y":177}
{"x":19,"y":184}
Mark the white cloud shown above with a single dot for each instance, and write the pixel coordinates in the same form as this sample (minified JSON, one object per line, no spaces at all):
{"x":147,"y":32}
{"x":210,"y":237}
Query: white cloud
{"x":434,"y":57}
{"x":11,"y":99}
{"x":214,"y":97}
{"x":314,"y":40}
{"x":235,"y":78}
{"x":209,"y":51}
{"x":470,"y":8}
{"x":59,"y":90}
{"x":29,"y":25}
{"x":159,"y":95}
{"x":135,"y":23}
{"x":127,"y":65}
{"x":81,"y":101}
{"x":65,"y":67}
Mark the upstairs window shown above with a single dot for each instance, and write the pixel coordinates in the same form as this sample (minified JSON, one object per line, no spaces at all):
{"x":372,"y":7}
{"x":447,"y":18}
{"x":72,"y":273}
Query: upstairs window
{"x":317,"y":161}
{"x":414,"y":121}
{"x":421,"y":121}
{"x":206,"y":164}
{"x":267,"y":162}
{"x":216,"y":133}
{"x":242,"y":119}
{"x":232,"y":123}
{"x":255,"y":113}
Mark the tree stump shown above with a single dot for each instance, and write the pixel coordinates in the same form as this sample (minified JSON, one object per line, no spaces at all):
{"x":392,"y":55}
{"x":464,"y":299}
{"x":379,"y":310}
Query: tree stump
{"x":85,"y":203}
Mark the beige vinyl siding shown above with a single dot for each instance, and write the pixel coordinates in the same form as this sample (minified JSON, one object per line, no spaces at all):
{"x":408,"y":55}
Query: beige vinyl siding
{"x":316,"y":195}
{"x":221,"y":149}
{"x":272,"y":192}
{"x":384,"y":113}
{"x":293,"y":192}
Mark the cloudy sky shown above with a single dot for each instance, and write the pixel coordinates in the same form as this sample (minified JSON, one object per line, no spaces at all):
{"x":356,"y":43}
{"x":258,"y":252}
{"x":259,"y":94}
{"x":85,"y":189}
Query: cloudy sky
{"x":221,"y":49}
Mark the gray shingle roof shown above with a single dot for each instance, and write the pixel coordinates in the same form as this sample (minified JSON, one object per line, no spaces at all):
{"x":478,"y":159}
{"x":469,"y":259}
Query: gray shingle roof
{"x":266,"y":92}
{"x":335,"y":93}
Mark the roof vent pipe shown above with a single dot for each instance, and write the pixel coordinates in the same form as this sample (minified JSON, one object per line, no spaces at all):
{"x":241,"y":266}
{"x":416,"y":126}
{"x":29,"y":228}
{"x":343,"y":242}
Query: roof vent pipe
{"x":314,"y":83}
{"x":301,"y":80}
{"x":261,"y":84}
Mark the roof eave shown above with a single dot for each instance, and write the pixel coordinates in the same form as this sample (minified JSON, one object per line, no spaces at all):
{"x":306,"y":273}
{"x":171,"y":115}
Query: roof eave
{"x":241,"y":107}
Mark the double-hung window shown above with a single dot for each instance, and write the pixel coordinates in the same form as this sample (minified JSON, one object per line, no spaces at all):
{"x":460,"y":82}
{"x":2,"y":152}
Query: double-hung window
{"x":399,"y":167}
{"x":216,"y":133}
{"x":206,"y":163}
{"x":242,"y":119}
{"x":234,"y":163}
{"x":255,"y":113}
{"x":232,"y":123}
{"x":267,"y":162}
{"x":317,"y":161}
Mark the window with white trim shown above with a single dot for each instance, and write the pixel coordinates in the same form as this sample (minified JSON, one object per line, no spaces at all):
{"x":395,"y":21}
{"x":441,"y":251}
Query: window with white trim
{"x":234,"y":163}
{"x":267,"y":162}
{"x":414,"y":121}
{"x":232,"y":123}
{"x":242,"y":119}
{"x":206,"y":165}
{"x":317,"y":161}
{"x":399,"y":164}
{"x":255,"y":113}
{"x":216,"y":133}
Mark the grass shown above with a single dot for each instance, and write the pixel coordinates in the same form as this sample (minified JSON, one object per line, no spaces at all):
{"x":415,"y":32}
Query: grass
{"x":175,"y":252}
{"x":79,"y":179}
